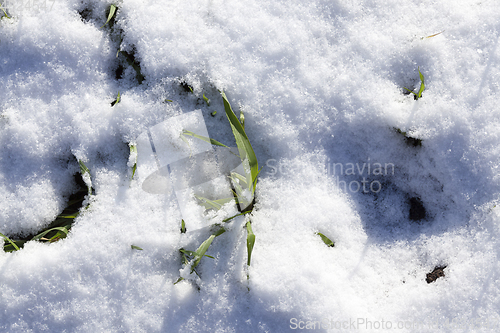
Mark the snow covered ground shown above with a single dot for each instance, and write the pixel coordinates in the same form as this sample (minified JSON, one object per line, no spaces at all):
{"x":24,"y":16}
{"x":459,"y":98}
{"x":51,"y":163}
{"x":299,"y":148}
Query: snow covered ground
{"x":320,"y":83}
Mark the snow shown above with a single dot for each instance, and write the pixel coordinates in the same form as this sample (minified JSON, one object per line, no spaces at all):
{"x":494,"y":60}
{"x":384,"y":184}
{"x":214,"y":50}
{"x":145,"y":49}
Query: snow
{"x":321,"y":87}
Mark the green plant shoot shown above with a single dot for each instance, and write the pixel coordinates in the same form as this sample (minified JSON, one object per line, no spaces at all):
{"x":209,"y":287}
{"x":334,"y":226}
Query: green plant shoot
{"x":206,"y":100}
{"x":117,"y":100}
{"x":112,"y":10}
{"x":85,"y":173}
{"x":202,"y":249}
{"x":243,"y":185}
{"x":326,"y":240}
{"x":201,"y":137}
{"x":5,"y":13}
{"x":243,"y":143}
{"x":10,"y":241}
{"x":250,"y":241}
{"x":133,"y":150}
{"x":422,"y":86}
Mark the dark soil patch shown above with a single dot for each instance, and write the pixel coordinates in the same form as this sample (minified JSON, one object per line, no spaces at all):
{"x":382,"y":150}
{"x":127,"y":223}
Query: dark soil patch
{"x":417,"y":209}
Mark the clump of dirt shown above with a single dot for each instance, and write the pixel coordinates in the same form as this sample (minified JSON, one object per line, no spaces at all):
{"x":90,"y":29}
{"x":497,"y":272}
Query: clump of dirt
{"x":435,"y":274}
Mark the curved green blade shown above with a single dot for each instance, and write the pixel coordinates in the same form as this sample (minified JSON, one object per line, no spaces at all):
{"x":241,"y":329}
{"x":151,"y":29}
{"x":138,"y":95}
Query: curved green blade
{"x":112,"y":10}
{"x":244,"y":147}
{"x":326,"y":240}
{"x":10,"y":241}
{"x":250,"y":241}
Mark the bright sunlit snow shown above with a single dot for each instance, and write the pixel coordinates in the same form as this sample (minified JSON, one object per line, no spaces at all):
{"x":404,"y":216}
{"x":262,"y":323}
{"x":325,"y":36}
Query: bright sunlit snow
{"x":402,"y":186}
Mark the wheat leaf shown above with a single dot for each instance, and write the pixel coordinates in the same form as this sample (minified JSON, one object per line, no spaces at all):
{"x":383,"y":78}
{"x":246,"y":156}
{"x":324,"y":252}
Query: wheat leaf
{"x":10,"y":241}
{"x":204,"y":138}
{"x":250,"y":241}
{"x":112,"y":10}
{"x":244,"y":147}
{"x":326,"y":240}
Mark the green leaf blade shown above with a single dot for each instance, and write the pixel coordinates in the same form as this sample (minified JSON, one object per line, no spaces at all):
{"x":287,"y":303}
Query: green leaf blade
{"x":202,"y":249}
{"x":232,"y":217}
{"x":204,"y":138}
{"x":243,"y":143}
{"x":213,"y":204}
{"x":250,"y":241}
{"x":422,"y":84}
{"x":183,"y":227}
{"x":83,"y":171}
{"x":10,"y":241}
{"x":200,"y":252}
{"x":112,"y":10}
{"x":410,"y":91}
{"x":326,"y":240}
{"x":117,"y":100}
{"x":133,"y":150}
{"x":64,"y":231}
{"x":5,"y":13}
{"x":83,"y":168}
{"x":206,"y":100}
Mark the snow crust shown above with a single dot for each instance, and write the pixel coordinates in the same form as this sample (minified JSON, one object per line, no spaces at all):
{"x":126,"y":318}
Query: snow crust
{"x":321,"y":87}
